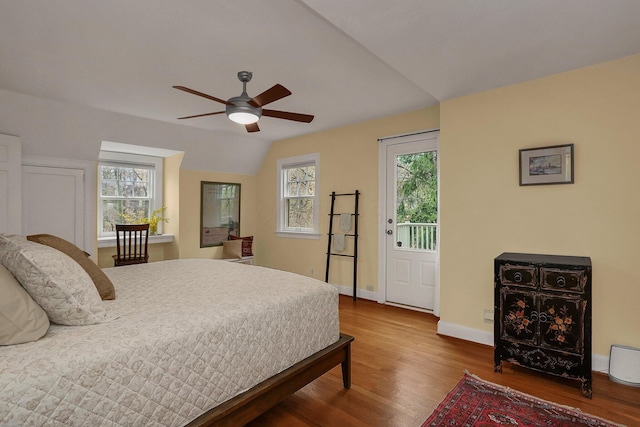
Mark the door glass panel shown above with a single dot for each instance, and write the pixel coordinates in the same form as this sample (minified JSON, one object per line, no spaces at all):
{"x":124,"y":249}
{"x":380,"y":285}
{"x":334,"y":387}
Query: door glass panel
{"x":416,"y":201}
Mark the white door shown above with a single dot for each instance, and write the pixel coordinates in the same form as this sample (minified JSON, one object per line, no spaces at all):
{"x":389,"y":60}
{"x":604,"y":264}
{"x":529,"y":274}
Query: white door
{"x":53,"y":202}
{"x":411,"y":221}
{"x":10,"y":185}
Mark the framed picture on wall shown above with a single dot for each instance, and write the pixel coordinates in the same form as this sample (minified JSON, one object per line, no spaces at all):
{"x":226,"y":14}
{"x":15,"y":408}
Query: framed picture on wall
{"x":547,"y":165}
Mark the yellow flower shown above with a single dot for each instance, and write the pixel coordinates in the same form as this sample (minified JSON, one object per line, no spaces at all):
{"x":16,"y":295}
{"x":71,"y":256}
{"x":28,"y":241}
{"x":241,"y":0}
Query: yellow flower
{"x":155,"y":218}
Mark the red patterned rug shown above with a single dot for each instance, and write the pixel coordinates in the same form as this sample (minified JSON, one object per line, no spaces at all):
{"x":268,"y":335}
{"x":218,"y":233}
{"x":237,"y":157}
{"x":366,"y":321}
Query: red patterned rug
{"x":478,"y":403}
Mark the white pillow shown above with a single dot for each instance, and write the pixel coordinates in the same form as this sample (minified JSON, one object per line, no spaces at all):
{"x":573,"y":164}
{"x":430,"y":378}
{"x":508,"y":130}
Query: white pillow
{"x":54,"y":280}
{"x":21,"y":319}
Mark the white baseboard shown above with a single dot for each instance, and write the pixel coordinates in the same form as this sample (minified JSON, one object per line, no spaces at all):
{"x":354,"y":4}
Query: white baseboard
{"x":465,"y":333}
{"x":599,"y":362}
{"x":360,"y":293}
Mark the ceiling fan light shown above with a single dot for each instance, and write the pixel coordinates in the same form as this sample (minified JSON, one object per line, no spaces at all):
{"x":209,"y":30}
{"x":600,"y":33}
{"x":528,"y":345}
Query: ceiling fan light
{"x":243,"y":117}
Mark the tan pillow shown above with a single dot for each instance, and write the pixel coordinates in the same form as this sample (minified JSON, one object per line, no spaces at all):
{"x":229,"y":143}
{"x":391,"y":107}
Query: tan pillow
{"x":102,"y":282}
{"x":247,"y":243}
{"x":21,"y":319}
{"x":232,"y":249}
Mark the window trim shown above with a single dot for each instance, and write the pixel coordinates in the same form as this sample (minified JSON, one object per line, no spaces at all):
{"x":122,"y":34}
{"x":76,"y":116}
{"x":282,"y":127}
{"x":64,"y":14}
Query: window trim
{"x":128,"y":159}
{"x":282,"y":165}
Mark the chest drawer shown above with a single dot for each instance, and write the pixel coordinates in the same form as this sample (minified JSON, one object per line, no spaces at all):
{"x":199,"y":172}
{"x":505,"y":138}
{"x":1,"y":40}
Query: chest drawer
{"x":562,"y":280}
{"x":519,"y":275}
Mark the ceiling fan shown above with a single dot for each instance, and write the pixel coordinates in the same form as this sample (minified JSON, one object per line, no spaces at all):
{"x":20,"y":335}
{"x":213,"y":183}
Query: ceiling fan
{"x":247,"y":111}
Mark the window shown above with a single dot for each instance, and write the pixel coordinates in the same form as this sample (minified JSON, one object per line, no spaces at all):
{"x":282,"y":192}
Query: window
{"x":228,"y":198}
{"x":129,"y":188}
{"x":298,"y":182}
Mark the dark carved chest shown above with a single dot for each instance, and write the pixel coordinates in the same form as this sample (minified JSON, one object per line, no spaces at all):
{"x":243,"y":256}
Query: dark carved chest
{"x":543,"y":314}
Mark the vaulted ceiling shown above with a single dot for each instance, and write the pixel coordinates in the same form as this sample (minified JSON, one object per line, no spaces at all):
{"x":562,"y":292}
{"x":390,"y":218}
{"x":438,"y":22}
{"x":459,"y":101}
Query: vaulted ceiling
{"x":345,"y":61}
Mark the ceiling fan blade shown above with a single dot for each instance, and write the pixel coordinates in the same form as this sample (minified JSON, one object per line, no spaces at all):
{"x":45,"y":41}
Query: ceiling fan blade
{"x":296,"y":117}
{"x":201,"y":115}
{"x":268,"y":96}
{"x":204,"y":95}
{"x":252,"y":127}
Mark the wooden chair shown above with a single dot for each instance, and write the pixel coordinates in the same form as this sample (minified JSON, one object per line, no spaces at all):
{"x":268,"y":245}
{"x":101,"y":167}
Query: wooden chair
{"x":131,"y":244}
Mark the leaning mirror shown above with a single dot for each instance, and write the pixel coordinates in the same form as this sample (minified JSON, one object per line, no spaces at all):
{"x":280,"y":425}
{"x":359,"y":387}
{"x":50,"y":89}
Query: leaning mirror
{"x":219,"y":212}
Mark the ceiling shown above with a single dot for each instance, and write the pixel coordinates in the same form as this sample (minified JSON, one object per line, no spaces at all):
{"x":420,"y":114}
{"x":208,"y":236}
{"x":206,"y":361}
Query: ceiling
{"x":344,"y":61}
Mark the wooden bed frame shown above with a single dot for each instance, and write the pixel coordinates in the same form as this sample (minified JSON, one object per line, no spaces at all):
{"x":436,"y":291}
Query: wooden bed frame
{"x":257,"y":400}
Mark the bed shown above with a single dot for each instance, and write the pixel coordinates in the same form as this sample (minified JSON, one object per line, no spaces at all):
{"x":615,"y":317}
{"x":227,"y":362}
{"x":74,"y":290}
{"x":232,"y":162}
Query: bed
{"x":186,"y":342}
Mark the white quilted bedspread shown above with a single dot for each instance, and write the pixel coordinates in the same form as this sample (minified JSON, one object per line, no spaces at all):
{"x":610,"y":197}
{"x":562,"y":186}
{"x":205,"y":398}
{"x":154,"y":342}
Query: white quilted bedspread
{"x":190,"y":335}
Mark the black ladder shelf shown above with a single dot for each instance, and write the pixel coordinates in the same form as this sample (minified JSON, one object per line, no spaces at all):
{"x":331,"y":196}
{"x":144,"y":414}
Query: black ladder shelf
{"x":356,"y":196}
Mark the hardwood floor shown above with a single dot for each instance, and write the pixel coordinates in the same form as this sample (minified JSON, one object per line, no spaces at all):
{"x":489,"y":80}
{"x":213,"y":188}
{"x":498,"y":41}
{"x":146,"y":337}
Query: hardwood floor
{"x":401,"y":370}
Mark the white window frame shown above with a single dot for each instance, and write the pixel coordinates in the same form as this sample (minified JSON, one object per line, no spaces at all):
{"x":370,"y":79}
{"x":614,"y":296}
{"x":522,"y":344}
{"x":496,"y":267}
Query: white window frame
{"x":287,"y":163}
{"x":132,"y":160}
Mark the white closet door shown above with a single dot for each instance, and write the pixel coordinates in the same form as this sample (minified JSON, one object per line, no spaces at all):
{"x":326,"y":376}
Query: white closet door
{"x":53,"y":202}
{"x":10,"y":184}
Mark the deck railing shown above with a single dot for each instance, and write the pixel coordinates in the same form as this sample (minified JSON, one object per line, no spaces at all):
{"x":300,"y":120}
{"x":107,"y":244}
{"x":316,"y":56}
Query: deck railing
{"x":414,"y":235}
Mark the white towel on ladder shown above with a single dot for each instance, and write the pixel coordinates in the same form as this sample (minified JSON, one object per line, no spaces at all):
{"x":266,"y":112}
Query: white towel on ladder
{"x":338,"y":242}
{"x":345,"y":221}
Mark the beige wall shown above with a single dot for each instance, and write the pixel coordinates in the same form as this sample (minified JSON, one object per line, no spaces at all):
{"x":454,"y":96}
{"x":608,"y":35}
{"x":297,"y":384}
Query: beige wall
{"x":484,"y":212}
{"x":171,"y":197}
{"x":348,"y":162}
{"x":188,"y":240}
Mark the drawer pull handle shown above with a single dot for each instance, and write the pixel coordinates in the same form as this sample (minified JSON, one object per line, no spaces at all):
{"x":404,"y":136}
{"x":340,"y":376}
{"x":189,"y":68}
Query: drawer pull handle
{"x":561,"y":281}
{"x":517,"y":276}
